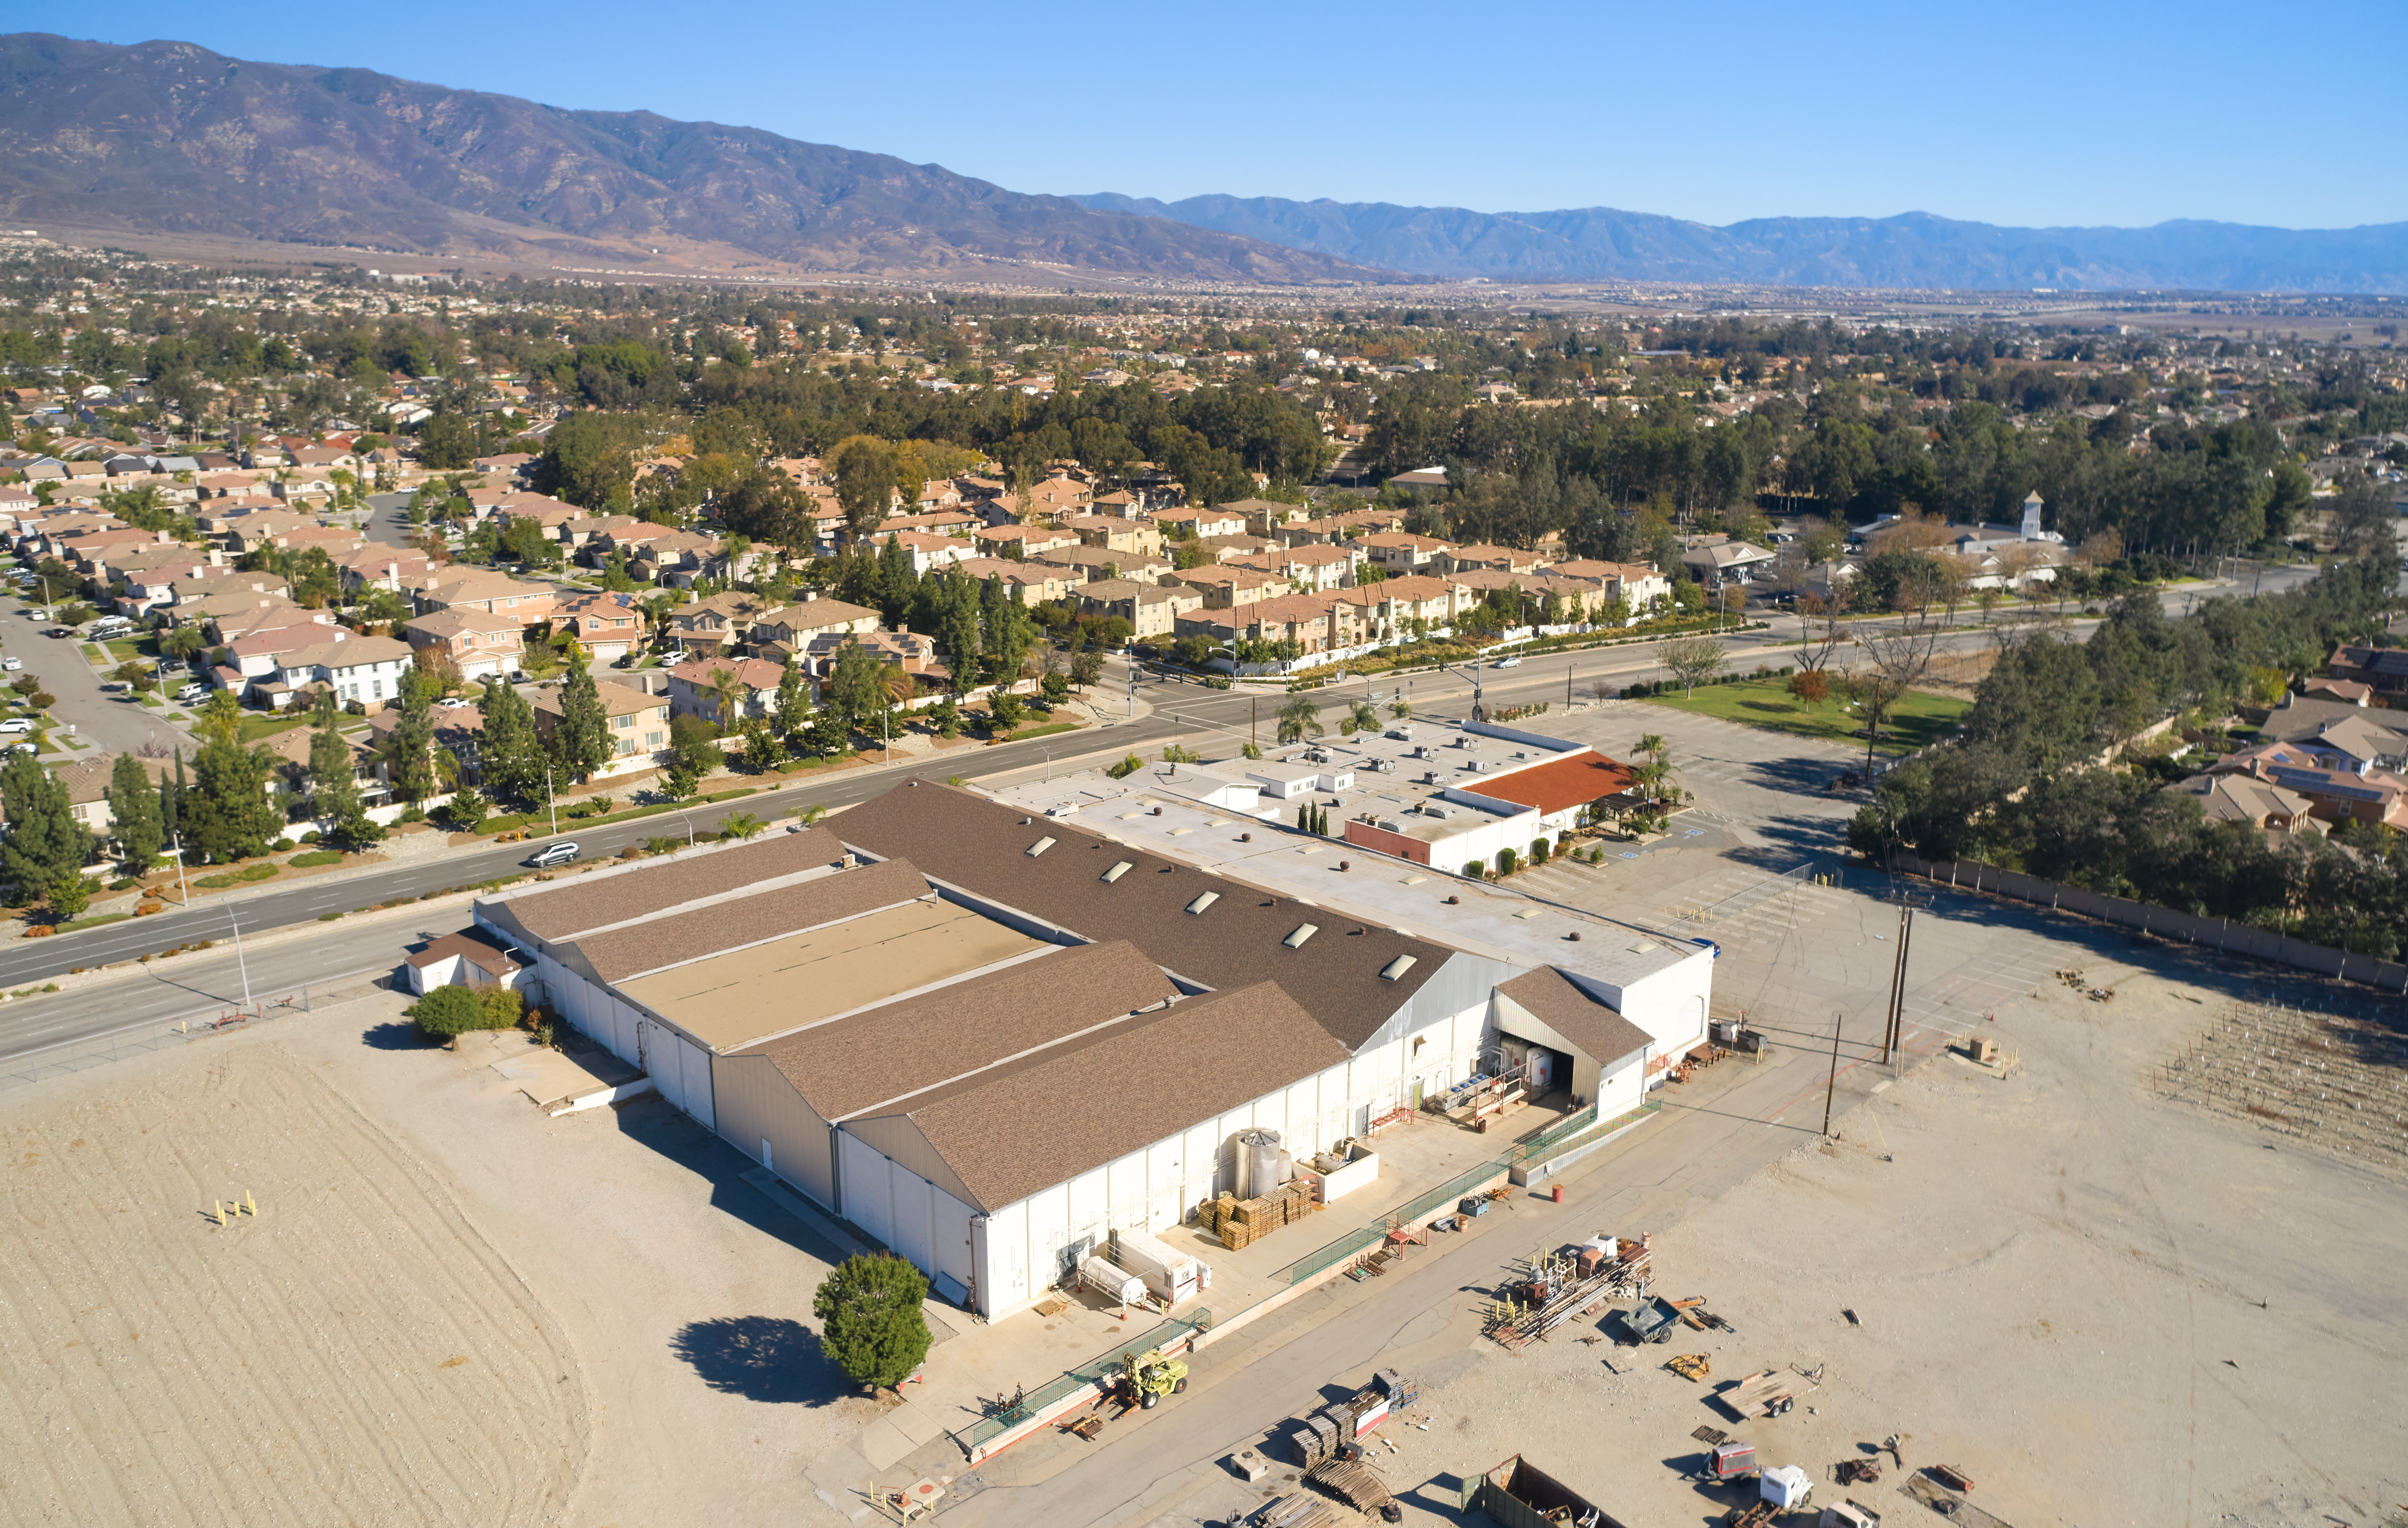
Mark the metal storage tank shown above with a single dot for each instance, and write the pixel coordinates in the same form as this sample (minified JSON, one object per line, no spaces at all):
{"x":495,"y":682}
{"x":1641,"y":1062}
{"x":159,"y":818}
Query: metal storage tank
{"x":1259,"y":1162}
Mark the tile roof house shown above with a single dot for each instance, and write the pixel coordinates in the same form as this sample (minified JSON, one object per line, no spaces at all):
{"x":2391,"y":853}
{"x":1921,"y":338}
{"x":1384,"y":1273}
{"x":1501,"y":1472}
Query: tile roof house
{"x":86,"y":780}
{"x":1152,"y":609}
{"x":608,"y":626}
{"x":2250,"y":802}
{"x":364,"y":668}
{"x":479,"y":644}
{"x":794,"y":627}
{"x":1114,"y":534}
{"x":1401,"y":552}
{"x":450,"y":588}
{"x":638,"y":724}
{"x":694,"y":689}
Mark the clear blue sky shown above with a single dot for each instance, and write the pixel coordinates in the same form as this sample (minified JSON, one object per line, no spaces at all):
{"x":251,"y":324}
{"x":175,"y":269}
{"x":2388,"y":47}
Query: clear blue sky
{"x":2043,"y":113}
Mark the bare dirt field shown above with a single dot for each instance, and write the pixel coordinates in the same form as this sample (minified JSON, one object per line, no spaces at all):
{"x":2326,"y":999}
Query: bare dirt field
{"x":355,"y":1353}
{"x":2103,"y":1304}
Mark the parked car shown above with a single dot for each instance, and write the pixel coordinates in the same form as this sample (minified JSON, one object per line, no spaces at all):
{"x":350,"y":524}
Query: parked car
{"x":1506,"y":663}
{"x":192,"y":695}
{"x":10,"y":665}
{"x":554,"y":854}
{"x":60,"y":631}
{"x":16,"y":726}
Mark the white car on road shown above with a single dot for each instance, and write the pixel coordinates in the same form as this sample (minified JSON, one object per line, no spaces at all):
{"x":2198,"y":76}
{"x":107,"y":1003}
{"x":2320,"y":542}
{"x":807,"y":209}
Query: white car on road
{"x":16,"y":726}
{"x":554,"y":854}
{"x":1506,"y":663}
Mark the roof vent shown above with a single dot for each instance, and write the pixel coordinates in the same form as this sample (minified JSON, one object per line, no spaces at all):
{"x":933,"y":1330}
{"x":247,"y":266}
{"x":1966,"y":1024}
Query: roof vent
{"x":1397,"y":967}
{"x":1117,"y":870}
{"x":1040,"y":847}
{"x":1303,"y":932}
{"x":1206,"y":899}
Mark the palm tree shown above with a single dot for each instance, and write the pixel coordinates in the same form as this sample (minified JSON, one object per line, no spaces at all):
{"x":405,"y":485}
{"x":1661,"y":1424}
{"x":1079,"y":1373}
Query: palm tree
{"x":740,"y":825}
{"x":183,"y":643}
{"x":727,"y":696}
{"x":1298,"y":720}
{"x":1367,"y":717}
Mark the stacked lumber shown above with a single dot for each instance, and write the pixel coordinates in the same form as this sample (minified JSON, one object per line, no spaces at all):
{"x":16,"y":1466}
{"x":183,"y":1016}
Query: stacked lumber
{"x":1297,"y":1511}
{"x":1351,"y":1483}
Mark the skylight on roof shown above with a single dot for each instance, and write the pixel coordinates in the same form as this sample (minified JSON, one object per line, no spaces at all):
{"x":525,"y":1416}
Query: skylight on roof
{"x":1206,"y":899}
{"x":1303,"y":932}
{"x":1040,"y":847}
{"x":1118,"y":870}
{"x":1397,"y":967}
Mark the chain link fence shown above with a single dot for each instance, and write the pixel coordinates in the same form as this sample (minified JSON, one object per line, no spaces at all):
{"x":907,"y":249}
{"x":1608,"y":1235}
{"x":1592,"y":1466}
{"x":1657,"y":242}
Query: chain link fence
{"x":162,"y":1034}
{"x":1096,"y":1371}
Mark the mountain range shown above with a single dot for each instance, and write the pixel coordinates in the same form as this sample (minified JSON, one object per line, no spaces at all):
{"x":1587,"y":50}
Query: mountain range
{"x":172,"y":139}
{"x":1912,"y":249}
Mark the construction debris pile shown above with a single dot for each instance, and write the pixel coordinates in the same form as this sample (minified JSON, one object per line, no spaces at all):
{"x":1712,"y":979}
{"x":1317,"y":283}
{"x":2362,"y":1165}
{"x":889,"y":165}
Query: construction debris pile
{"x":1238,"y":1222}
{"x":1335,"y":1431}
{"x":1558,"y":1287}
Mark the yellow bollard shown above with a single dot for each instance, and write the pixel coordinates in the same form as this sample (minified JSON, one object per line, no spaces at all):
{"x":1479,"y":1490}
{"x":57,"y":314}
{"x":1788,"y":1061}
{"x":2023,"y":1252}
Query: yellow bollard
{"x":251,"y":1205}
{"x":217,"y":1208}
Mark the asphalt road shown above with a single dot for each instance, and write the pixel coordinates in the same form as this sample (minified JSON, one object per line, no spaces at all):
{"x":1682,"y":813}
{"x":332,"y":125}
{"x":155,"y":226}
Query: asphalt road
{"x":1181,"y":710}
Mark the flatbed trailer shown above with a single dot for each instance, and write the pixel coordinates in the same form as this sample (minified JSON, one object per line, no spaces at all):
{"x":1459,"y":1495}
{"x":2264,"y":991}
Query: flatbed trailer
{"x":1767,"y":1393}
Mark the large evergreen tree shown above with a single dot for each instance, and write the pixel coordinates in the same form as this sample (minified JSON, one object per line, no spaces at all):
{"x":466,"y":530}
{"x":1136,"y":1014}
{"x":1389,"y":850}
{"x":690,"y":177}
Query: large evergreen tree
{"x":45,"y":842}
{"x":228,"y":814}
{"x":509,"y":756}
{"x":870,"y":1320}
{"x":792,"y":711}
{"x":409,"y":748}
{"x":133,"y":808}
{"x":957,"y":629}
{"x":334,"y":793}
{"x":580,"y":740}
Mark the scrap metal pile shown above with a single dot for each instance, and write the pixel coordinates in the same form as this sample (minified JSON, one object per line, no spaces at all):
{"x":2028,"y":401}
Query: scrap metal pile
{"x":1559,"y":1287}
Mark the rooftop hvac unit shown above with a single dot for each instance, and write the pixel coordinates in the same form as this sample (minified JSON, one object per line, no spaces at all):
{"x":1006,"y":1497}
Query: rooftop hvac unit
{"x":1473,"y":765}
{"x":1390,"y":824}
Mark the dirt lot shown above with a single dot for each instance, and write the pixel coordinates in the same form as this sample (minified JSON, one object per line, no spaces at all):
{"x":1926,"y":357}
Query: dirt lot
{"x":356,"y":1352}
{"x":2103,"y":1304}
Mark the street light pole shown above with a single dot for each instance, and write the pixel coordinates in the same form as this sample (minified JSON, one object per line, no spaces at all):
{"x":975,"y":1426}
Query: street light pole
{"x":240,"y":964}
{"x":177,"y":844}
{"x":552,"y":801}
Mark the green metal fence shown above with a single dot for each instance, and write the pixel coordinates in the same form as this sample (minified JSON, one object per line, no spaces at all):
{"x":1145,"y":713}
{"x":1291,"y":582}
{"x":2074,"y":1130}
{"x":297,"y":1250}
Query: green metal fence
{"x":1034,"y":1403}
{"x":1570,"y":1125}
{"x":1563,"y":1143}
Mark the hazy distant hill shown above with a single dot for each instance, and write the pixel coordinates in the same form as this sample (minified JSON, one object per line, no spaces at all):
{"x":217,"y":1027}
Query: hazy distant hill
{"x":170,"y":136}
{"x":1912,"y":250}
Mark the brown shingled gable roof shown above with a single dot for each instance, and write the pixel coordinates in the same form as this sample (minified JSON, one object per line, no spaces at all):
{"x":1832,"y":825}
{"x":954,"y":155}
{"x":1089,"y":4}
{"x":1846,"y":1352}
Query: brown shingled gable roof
{"x":962,"y":839}
{"x":619,"y":953}
{"x":1013,"y":1131}
{"x":1553,"y":1000}
{"x":564,"y":912}
{"x":886,"y":1055}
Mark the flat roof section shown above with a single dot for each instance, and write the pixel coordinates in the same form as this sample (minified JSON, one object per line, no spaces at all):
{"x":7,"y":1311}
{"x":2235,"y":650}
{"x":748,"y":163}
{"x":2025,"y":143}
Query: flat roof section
{"x":1387,"y":893}
{"x":731,"y":1001}
{"x":958,"y":1030}
{"x":729,"y":923}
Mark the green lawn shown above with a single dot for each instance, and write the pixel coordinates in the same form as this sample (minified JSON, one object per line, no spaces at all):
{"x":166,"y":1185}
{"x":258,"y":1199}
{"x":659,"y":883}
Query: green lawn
{"x":255,"y":728}
{"x":1914,"y":721}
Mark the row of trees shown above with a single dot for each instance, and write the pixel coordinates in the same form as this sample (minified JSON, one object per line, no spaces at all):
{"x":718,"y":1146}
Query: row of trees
{"x":2021,"y":786}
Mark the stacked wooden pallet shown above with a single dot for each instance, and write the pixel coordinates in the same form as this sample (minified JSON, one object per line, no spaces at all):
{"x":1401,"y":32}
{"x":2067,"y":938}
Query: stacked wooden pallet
{"x":1297,"y":1509}
{"x":1351,"y":1483}
{"x":1241,"y":1222}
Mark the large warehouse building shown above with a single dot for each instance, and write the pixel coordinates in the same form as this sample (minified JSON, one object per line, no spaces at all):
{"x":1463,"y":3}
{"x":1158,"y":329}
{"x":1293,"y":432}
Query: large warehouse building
{"x":989,"y":1037}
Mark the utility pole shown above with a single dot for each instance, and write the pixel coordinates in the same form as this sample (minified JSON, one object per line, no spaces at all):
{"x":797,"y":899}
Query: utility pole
{"x":1568,"y":683}
{"x":1893,"y":1020}
{"x":1831,"y":1084}
{"x":1254,"y":722}
{"x":552,"y":801}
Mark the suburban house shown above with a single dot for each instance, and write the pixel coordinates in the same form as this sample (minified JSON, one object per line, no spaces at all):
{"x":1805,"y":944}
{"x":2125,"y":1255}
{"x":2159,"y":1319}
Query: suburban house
{"x":479,"y":644}
{"x":2257,"y":803}
{"x":638,"y":724}
{"x":87,"y":786}
{"x":1503,"y":559}
{"x":1190,"y":524}
{"x":1093,"y":562}
{"x":720,"y":624}
{"x":367,"y":670}
{"x":1029,"y":583}
{"x":694,"y":689}
{"x":482,"y":588}
{"x":790,"y":630}
{"x":1152,"y":609}
{"x":1021,"y":541}
{"x":1224,"y":587}
{"x":608,"y":626}
{"x":379,"y":567}
{"x":1114,"y":534}
{"x":1402,"y":552}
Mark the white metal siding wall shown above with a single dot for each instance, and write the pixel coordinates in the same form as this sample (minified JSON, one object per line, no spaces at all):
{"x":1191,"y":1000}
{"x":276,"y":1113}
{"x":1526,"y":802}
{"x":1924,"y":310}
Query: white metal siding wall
{"x":916,"y":1219}
{"x":753,"y":1102}
{"x":681,"y":1068}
